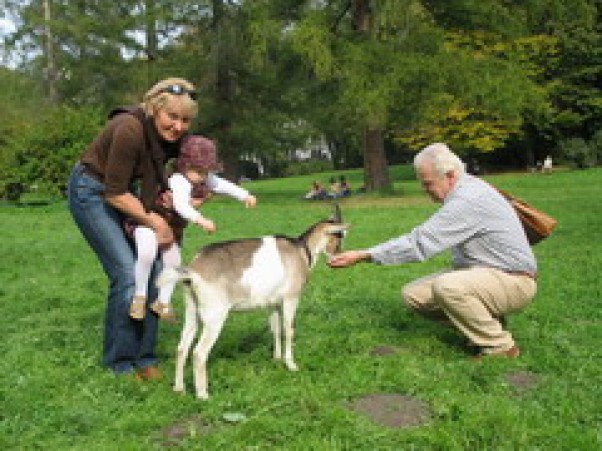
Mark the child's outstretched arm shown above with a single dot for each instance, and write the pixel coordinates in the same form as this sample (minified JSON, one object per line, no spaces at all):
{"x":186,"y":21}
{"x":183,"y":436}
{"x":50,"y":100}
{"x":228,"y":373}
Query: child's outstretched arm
{"x":222,"y":186}
{"x":206,"y":224}
{"x":250,"y":201}
{"x":184,"y":204}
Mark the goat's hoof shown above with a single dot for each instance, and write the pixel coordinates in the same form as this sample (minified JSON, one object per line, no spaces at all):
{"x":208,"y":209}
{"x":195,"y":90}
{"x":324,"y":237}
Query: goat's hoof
{"x":203,"y":396}
{"x":292,"y":366}
{"x":179,"y":389}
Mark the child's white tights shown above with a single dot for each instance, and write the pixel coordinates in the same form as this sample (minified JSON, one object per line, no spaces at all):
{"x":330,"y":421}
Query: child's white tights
{"x":147,"y":247}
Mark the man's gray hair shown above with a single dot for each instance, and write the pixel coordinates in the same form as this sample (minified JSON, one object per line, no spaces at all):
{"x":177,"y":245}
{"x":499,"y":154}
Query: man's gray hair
{"x":442,"y":159}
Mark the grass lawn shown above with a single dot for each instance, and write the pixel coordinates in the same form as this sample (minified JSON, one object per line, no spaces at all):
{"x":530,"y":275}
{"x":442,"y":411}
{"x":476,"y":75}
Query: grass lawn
{"x":360,"y":352}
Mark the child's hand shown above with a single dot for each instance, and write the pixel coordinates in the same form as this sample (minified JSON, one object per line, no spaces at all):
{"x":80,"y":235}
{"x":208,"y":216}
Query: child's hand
{"x":206,"y":224}
{"x":250,"y":201}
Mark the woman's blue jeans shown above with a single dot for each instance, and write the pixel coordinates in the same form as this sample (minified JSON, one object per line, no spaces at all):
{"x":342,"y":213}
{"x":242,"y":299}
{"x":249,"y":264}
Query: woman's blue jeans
{"x":128,"y":344}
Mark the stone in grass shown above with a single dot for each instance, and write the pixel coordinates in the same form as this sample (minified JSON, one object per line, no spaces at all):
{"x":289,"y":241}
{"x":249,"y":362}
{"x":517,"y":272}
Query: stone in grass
{"x":393,"y":410}
{"x":234,"y":417}
{"x":522,"y":381}
{"x":187,"y":428}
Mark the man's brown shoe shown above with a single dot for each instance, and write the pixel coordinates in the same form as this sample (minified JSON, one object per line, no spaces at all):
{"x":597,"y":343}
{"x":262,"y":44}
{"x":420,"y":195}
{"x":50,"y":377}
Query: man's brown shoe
{"x":511,"y":353}
{"x":149,"y":373}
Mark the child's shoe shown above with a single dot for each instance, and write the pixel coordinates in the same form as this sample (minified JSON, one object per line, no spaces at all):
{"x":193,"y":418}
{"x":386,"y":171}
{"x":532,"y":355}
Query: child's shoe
{"x":138,"y":307}
{"x":163,"y":311}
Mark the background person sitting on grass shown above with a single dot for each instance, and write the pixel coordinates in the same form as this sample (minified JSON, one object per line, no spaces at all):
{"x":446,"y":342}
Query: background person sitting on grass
{"x":316,"y":191}
{"x":334,"y":189}
{"x":493,"y":267}
{"x":344,"y":187}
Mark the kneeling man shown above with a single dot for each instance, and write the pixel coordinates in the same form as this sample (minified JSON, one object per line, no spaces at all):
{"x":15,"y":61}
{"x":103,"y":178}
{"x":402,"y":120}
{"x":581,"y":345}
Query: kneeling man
{"x":493,"y":267}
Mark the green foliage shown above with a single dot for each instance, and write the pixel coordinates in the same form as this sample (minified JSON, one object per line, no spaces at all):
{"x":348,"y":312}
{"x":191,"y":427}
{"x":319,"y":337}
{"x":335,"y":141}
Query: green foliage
{"x":582,"y":154}
{"x":482,"y":75}
{"x":20,"y":98}
{"x":41,"y":155}
{"x":467,"y":130}
{"x":595,"y":145}
{"x":307,"y":167}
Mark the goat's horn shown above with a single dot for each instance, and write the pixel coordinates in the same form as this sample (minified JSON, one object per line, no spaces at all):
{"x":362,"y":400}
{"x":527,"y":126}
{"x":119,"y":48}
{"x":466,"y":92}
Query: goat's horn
{"x":337,"y":214}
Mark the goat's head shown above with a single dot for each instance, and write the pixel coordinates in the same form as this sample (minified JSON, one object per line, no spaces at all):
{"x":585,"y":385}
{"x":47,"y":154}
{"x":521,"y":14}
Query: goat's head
{"x":336,"y":231}
{"x":326,"y":236}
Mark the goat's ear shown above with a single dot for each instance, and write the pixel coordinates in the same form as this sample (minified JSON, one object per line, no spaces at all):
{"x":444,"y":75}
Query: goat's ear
{"x":336,"y":214}
{"x":333,"y":229}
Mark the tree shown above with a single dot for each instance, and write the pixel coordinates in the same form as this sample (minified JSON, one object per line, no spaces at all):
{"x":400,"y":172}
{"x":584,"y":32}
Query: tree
{"x":400,"y":72}
{"x":376,"y":175}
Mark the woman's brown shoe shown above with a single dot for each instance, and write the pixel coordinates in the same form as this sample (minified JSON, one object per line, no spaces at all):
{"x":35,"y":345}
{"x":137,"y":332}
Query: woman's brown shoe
{"x":149,"y":373}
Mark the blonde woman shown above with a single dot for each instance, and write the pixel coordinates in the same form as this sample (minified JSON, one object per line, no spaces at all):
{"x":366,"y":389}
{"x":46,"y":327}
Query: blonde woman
{"x":130,"y":150}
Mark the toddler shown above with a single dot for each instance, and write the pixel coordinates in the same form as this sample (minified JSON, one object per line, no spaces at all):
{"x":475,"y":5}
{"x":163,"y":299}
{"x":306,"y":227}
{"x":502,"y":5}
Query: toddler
{"x":192,"y":182}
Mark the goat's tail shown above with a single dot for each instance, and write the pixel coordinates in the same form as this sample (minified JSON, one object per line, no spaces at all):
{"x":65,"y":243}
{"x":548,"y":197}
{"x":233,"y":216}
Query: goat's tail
{"x":169,"y":275}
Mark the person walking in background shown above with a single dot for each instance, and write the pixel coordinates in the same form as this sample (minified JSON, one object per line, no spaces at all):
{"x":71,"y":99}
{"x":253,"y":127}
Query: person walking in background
{"x":547,"y":165}
{"x":493,"y":267}
{"x":132,"y":148}
{"x":194,"y":175}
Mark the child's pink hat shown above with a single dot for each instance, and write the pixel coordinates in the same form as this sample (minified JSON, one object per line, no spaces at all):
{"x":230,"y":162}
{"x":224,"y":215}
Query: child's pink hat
{"x":198,"y":152}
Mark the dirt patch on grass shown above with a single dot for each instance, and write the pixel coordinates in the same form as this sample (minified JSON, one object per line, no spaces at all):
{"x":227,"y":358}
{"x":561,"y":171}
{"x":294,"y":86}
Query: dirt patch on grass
{"x":174,"y":434}
{"x":383,"y":350}
{"x":522,"y":381}
{"x":393,"y":410}
{"x":387,"y":350}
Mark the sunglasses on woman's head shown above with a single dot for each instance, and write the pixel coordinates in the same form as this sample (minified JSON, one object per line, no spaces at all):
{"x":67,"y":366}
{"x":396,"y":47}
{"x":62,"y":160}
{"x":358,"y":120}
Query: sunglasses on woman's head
{"x":179,"y":90}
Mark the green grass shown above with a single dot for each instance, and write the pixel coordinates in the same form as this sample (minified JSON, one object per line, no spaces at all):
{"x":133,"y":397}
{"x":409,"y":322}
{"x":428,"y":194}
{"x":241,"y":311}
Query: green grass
{"x":55,"y":395}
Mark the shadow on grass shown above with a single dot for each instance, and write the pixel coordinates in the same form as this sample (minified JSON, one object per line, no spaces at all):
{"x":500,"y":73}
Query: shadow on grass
{"x":28,"y":203}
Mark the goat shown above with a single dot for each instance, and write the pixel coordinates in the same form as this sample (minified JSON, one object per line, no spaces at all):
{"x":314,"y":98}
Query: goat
{"x":268,"y":272}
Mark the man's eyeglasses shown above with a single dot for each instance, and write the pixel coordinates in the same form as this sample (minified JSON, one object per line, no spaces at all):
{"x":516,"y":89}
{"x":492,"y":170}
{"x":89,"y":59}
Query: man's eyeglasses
{"x":179,"y":90}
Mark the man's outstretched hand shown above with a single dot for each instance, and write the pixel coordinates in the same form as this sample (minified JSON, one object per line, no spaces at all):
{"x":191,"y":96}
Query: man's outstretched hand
{"x":348,"y":258}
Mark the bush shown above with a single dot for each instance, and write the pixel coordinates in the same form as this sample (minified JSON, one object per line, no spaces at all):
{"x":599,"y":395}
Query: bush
{"x":307,"y":167}
{"x":595,"y":145}
{"x":578,"y":153}
{"x":42,"y":154}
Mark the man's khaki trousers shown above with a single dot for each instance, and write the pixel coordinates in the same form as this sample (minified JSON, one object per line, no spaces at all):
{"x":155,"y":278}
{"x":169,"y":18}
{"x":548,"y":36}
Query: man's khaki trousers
{"x":473,"y":299}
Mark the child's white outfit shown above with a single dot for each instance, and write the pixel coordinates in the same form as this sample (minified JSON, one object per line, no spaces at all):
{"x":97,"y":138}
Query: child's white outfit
{"x":147,"y":244}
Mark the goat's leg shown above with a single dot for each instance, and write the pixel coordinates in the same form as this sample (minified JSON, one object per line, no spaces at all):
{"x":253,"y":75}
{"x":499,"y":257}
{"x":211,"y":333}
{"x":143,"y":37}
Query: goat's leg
{"x":213,"y":320}
{"x":187,"y":336}
{"x":289,"y":307}
{"x":276,"y":327}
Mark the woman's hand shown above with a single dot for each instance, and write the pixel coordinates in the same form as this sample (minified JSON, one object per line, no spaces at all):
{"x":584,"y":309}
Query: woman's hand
{"x":128,"y":204}
{"x":163,"y":231}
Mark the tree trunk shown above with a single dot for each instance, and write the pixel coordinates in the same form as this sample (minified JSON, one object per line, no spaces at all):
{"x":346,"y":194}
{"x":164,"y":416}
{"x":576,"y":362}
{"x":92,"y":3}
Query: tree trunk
{"x":51,"y":73}
{"x":225,"y":94}
{"x":376,"y":173}
{"x":362,"y":14}
{"x":152,"y":43}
